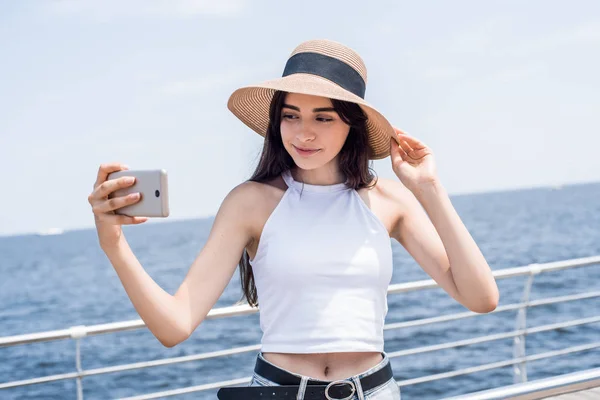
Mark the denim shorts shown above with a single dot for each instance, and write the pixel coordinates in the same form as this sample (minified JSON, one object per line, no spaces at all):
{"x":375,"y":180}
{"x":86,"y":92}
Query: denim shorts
{"x":386,"y":391}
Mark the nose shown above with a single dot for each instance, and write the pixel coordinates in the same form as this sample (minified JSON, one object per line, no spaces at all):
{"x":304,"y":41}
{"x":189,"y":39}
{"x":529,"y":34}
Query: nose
{"x":305,"y":133}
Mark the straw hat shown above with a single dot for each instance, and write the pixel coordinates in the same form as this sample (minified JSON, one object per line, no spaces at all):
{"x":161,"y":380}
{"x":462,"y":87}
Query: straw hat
{"x":321,"y":68}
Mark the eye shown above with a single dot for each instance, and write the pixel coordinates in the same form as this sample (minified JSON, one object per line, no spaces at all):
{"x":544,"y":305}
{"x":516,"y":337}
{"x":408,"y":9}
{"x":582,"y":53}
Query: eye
{"x":324,"y":119}
{"x":288,"y":116}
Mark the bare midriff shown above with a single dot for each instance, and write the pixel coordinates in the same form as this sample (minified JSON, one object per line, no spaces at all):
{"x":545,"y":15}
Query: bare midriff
{"x":325,"y":366}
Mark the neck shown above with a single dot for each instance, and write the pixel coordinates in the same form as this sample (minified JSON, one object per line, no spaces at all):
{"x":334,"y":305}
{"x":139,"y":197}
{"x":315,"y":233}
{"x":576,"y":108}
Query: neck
{"x":329,"y":174}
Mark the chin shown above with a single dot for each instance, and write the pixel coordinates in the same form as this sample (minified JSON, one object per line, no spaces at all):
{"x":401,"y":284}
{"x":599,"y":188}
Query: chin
{"x":311,"y":163}
{"x":307,"y":164}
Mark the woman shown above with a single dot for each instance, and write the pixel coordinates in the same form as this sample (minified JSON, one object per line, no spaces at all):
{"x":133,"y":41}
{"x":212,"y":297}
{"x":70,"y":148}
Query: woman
{"x":311,"y":233}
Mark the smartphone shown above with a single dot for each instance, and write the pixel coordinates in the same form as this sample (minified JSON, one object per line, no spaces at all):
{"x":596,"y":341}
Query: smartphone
{"x":154,"y":193}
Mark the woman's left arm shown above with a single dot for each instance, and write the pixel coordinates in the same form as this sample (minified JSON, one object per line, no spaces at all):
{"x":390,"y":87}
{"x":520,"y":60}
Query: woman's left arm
{"x":470,"y":275}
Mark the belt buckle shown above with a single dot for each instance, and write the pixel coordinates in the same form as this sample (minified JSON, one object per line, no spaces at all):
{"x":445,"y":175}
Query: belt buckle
{"x":340,"y":382}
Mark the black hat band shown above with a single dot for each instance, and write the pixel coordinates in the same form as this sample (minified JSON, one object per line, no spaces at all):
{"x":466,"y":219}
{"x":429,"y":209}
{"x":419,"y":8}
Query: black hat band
{"x":329,"y":68}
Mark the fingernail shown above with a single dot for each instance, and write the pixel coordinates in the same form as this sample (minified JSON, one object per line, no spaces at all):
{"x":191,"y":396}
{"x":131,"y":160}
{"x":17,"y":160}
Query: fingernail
{"x":129,"y":179}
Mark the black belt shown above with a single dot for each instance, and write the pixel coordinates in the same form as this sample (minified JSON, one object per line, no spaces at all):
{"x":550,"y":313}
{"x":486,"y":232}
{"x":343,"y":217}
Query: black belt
{"x":315,"y":389}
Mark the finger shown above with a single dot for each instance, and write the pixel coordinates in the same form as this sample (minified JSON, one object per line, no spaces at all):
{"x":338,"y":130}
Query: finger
{"x":124,"y":219}
{"x":403,"y":154}
{"x":116,"y":203}
{"x":412,"y":141}
{"x":405,"y":146}
{"x":394,"y":150}
{"x":419,"y":154}
{"x":400,"y":136}
{"x":112,"y":185}
{"x":106,"y":169}
{"x":397,"y":151}
{"x":404,"y":134}
{"x":135,"y":220}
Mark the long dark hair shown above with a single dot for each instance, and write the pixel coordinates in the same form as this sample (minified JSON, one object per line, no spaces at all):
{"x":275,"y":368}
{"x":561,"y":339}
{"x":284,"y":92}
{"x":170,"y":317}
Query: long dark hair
{"x":353,"y":160}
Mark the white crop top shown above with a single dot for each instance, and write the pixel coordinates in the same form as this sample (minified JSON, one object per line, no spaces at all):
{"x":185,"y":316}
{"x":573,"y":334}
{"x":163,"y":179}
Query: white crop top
{"x":322,"y":270}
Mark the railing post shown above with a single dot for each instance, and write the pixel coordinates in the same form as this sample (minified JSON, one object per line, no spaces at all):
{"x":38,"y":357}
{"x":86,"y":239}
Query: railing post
{"x":78,"y":332}
{"x":519,"y":350}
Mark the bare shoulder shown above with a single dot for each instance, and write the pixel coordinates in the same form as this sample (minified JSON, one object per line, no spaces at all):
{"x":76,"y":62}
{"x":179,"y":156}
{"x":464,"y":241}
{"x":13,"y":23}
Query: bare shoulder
{"x":245,"y":195}
{"x":253,"y":203}
{"x":391,"y":190}
{"x":250,"y":195}
{"x":387,"y":193}
{"x":409,"y":214}
{"x":387,"y":199}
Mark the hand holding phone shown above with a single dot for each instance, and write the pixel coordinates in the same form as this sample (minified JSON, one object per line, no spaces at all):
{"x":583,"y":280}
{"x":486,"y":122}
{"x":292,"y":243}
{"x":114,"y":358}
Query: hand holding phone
{"x":107,"y":223}
{"x":152,"y":186}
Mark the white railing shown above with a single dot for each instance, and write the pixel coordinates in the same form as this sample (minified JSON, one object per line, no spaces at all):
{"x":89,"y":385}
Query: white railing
{"x":519,"y":360}
{"x":543,"y":388}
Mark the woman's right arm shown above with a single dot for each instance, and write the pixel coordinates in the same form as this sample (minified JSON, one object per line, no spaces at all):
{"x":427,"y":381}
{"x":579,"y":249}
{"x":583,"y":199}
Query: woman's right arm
{"x":172,"y":318}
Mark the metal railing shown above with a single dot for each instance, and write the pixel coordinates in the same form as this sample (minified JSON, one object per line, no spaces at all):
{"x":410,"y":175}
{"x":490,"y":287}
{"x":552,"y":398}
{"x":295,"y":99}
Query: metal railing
{"x":519,"y":361}
{"x":543,"y":388}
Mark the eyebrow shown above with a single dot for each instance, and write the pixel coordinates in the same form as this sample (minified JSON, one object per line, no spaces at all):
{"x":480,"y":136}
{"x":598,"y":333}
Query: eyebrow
{"x":314,"y":109}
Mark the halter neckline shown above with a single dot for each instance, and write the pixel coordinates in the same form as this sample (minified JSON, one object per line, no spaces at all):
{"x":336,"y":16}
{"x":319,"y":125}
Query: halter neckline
{"x":306,"y":187}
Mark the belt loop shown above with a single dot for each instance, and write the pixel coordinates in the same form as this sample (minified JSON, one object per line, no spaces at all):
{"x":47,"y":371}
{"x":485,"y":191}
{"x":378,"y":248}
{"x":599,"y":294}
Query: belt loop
{"x":359,"y":389}
{"x":302,"y":388}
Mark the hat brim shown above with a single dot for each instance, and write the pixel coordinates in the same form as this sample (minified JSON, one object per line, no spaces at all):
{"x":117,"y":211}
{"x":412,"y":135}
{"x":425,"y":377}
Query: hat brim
{"x":251,"y":105}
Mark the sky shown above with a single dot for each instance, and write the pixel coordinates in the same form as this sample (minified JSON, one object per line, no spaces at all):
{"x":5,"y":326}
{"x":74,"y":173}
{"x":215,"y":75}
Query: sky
{"x":505,"y":93}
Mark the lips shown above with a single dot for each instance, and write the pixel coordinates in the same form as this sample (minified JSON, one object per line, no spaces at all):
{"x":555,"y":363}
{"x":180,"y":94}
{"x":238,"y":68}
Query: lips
{"x":306,"y":151}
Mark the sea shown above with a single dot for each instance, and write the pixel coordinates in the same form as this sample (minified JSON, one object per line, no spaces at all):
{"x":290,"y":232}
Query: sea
{"x":52,"y":282}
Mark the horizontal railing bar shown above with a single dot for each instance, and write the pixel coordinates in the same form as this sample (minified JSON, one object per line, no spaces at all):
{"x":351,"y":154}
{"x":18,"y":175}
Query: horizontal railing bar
{"x":563,"y":299}
{"x":559,"y":325}
{"x":132,"y":366}
{"x":503,"y":273}
{"x":81,"y":331}
{"x":539,"y":388}
{"x":500,"y":364}
{"x":442,"y":318}
{"x":173,"y":360}
{"x":496,"y":336}
{"x":451,"y":345}
{"x":43,"y":379}
{"x":191,"y":389}
{"x":508,"y":307}
{"x":547,"y":267}
{"x":562,"y":352}
{"x":245,"y":309}
{"x":459,"y":372}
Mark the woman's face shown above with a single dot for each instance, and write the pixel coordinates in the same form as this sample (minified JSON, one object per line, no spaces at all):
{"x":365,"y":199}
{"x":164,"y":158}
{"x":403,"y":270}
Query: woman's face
{"x":311,"y":131}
